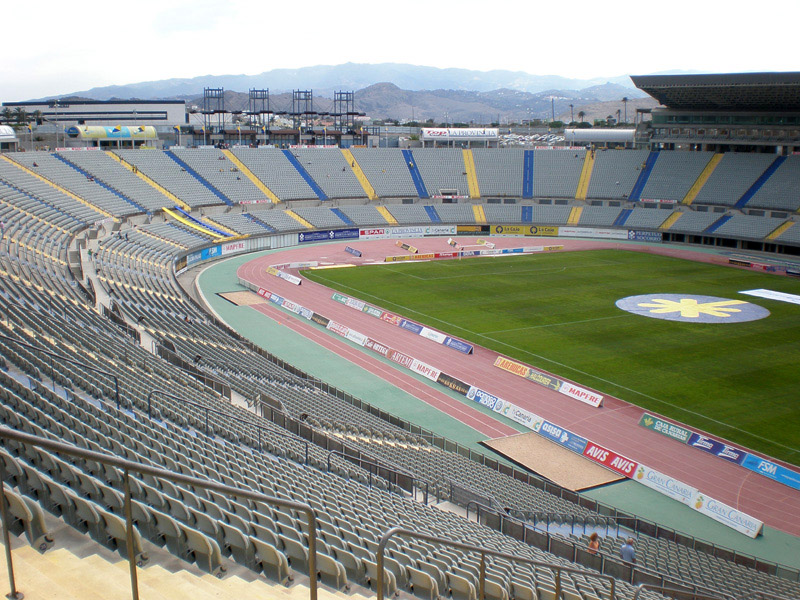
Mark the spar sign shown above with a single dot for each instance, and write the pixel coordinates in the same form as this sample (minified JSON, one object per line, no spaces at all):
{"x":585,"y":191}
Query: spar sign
{"x":610,"y":459}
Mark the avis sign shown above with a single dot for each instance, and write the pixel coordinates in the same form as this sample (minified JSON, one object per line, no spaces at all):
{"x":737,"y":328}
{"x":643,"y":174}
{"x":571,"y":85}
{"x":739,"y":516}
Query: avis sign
{"x":609,"y":459}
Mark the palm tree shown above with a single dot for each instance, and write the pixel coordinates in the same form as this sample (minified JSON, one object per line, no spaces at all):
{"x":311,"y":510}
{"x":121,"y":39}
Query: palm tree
{"x":7,"y":114}
{"x":581,"y":115}
{"x":20,"y":116}
{"x":625,"y":104}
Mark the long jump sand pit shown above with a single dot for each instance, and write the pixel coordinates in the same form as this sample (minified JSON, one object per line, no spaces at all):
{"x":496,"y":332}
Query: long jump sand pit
{"x":242,"y":298}
{"x":552,"y":461}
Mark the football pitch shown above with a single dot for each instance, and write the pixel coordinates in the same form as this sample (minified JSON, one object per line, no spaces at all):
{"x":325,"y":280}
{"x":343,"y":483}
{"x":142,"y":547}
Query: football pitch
{"x":558,"y":312}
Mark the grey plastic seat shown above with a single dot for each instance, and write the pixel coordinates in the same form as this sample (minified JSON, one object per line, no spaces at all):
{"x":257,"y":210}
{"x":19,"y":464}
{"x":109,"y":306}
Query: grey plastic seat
{"x":352,"y":564}
{"x":27,"y":517}
{"x":331,"y":572}
{"x":118,"y":538}
{"x":460,"y":587}
{"x":204,"y":552}
{"x":371,"y":578}
{"x":422,"y":584}
{"x":295,"y":552}
{"x":271,"y":562}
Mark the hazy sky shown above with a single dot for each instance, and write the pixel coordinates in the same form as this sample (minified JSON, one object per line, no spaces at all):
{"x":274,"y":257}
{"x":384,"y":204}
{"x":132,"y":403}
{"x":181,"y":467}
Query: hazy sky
{"x":56,"y":47}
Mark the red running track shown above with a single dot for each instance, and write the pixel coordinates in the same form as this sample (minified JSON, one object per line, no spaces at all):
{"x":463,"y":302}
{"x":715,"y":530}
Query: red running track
{"x":614,"y":426}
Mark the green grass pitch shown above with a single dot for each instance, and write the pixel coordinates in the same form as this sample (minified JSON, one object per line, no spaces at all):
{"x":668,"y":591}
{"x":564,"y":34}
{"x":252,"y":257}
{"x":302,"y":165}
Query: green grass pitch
{"x":557,"y":312}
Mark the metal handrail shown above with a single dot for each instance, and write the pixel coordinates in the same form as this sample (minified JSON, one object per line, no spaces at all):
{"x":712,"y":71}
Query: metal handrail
{"x":483,"y":552}
{"x":69,"y":360}
{"x":604,"y":556}
{"x":694,"y":595}
{"x":127,"y":466}
{"x":375,"y":463}
{"x":208,"y":410}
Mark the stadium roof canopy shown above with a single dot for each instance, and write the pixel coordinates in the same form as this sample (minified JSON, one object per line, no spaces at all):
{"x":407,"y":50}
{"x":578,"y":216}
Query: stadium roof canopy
{"x":778,"y":92}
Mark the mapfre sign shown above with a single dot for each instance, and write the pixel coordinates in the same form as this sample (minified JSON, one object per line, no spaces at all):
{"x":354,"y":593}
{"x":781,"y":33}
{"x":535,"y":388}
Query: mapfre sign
{"x":467,"y":133}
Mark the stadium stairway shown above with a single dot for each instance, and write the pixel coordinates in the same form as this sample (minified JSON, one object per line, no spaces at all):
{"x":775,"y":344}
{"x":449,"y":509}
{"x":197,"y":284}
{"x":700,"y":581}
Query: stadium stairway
{"x":432,"y":214}
{"x":622,"y":217}
{"x":575,"y":215}
{"x":63,"y":574}
{"x":101,"y":183}
{"x":362,"y":178}
{"x":480,"y":214}
{"x":338,"y":212}
{"x":173,"y":198}
{"x":644,"y":175}
{"x":416,"y":176}
{"x":255,"y":219}
{"x":184,"y":217}
{"x":52,"y":184}
{"x":586,"y":176}
{"x":299,"y":219}
{"x":670,"y":220}
{"x":472,"y":176}
{"x":199,"y":177}
{"x":779,"y":230}
{"x":389,"y":217}
{"x":527,"y":213}
{"x":251,"y":176}
{"x":717,"y":224}
{"x":762,"y":179}
{"x":304,"y":174}
{"x":527,"y":174}
{"x":701,"y":179}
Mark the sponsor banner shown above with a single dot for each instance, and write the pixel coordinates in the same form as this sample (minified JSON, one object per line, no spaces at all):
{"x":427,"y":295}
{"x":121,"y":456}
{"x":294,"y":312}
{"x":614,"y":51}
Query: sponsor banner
{"x":454,"y":384}
{"x":353,"y":251}
{"x":430,"y":334}
{"x":447,"y":255}
{"x":773,"y":295}
{"x":305,"y":313}
{"x":609,"y":459}
{"x":543,"y":379}
{"x":664,"y":484}
{"x":265,"y":293}
{"x":401,"y":359}
{"x":376,"y":347}
{"x":458,"y":345}
{"x":540,"y":230}
{"x":727,"y":515}
{"x":327,"y":235}
{"x":234,"y":247}
{"x":469,"y":229}
{"x":408,"y":247}
{"x":512,"y":366}
{"x":465,"y":133}
{"x":398,"y":258}
{"x":341,"y":298}
{"x":519,"y":415}
{"x":372,"y":311}
{"x":291,"y":306}
{"x":740,"y":263}
{"x":645,"y":236}
{"x":676,"y":432}
{"x":452,"y":242}
{"x":659,"y":200}
{"x":319,"y":319}
{"x":374,"y":233}
{"x":767,"y":468}
{"x":286,"y":276}
{"x":425,"y":370}
{"x":391,"y":318}
{"x":337,"y":328}
{"x":358,"y":338}
{"x":718,"y":448}
{"x":483,"y":242}
{"x":579,"y":393}
{"x":563,"y":437}
{"x":276,"y":299}
{"x":611,"y":234}
{"x":481,"y":397}
{"x":411,"y":326}
{"x":441,"y":229}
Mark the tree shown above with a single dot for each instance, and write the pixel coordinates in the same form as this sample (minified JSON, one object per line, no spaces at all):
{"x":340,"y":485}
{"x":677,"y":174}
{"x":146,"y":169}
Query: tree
{"x":7,"y":114}
{"x":20,"y":116}
{"x":581,"y":115}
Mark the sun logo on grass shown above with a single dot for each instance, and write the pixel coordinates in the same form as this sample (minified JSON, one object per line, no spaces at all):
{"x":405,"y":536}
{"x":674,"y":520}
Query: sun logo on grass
{"x":690,"y":308}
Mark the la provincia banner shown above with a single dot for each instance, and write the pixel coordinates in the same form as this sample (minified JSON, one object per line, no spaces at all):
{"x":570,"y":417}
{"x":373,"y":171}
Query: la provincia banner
{"x":597,"y":453}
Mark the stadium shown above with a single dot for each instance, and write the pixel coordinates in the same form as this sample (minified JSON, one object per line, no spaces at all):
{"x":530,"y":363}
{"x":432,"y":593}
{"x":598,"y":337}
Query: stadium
{"x":425,"y":372}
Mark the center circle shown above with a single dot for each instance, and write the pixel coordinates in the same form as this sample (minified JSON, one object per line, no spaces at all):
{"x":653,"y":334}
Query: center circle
{"x":691,"y":308}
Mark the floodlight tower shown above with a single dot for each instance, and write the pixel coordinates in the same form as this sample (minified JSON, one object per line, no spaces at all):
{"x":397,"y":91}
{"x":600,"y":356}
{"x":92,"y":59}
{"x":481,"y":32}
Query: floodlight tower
{"x":344,"y":111}
{"x":302,"y":107}
{"x":213,"y":103}
{"x":258,"y":104}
